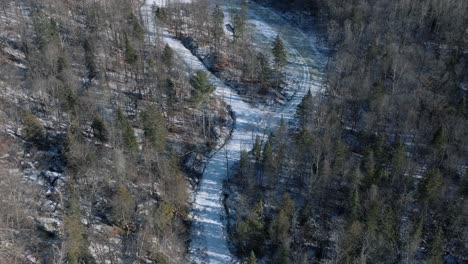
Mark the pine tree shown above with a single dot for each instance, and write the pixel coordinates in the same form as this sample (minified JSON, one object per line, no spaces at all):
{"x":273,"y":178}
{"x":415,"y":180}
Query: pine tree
{"x":431,"y":186}
{"x":90,"y":61}
{"x":154,"y":128}
{"x":99,"y":129}
{"x":128,"y":134}
{"x":304,"y":110}
{"x":218,"y":26}
{"x":436,"y":252}
{"x":131,"y":55}
{"x":74,"y":233}
{"x":252,"y":258}
{"x":257,"y":149}
{"x":267,"y":155}
{"x":279,"y":53}
{"x":264,"y":72}
{"x":202,"y":86}
{"x":240,"y":21}
{"x":168,"y":56}
{"x":339,"y":158}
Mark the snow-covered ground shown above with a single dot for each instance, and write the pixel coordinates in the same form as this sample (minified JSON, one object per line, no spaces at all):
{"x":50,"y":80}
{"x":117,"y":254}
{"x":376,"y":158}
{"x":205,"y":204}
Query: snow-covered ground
{"x":209,"y":240}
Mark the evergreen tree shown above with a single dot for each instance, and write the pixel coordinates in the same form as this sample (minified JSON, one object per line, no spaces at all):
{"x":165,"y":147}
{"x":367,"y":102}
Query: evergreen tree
{"x":279,"y":53}
{"x":240,"y":21}
{"x":75,"y":242}
{"x":257,"y":149}
{"x":252,"y":258}
{"x":431,"y":186}
{"x":202,"y":86}
{"x":436,"y":251}
{"x":267,"y":156}
{"x":128,"y":134}
{"x":218,"y":26}
{"x":264,"y":71}
{"x":154,"y":128}
{"x":99,"y":129}
{"x":339,"y":158}
{"x":90,"y":61}
{"x":304,"y":110}
{"x":131,"y":55}
{"x":168,"y":56}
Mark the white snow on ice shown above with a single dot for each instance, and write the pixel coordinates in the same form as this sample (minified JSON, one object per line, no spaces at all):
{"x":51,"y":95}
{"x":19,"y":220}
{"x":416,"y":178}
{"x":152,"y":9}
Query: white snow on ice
{"x":209,"y":239}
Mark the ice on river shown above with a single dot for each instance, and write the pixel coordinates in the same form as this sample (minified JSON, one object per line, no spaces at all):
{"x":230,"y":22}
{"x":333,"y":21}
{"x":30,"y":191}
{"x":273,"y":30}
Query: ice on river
{"x":208,"y":235}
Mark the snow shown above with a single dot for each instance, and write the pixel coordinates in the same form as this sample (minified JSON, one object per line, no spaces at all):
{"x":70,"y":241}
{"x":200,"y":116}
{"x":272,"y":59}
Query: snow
{"x":209,"y":239}
{"x":166,"y":2}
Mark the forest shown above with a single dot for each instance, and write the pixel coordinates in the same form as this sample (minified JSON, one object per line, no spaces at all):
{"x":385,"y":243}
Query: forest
{"x":210,"y":131}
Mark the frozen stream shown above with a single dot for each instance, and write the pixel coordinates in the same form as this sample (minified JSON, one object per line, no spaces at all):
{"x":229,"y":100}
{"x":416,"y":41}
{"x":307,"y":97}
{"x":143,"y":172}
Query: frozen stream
{"x":208,"y":235}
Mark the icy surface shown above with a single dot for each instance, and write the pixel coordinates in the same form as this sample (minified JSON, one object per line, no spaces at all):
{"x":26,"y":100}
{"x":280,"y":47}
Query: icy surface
{"x":209,"y":241}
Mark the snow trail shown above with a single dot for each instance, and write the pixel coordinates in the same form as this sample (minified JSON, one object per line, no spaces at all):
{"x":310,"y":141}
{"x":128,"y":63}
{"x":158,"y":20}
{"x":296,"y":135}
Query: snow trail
{"x":209,"y":243}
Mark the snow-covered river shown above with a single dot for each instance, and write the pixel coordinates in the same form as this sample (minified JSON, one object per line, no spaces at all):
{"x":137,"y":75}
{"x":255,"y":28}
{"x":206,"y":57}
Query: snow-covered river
{"x":208,"y":234}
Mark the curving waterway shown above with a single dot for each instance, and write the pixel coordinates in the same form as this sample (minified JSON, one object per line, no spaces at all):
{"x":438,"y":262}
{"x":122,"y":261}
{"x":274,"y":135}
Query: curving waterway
{"x":209,"y":243}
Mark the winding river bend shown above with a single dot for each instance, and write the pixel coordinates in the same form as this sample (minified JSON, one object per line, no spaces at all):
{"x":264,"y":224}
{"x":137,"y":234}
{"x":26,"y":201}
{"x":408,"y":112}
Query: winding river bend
{"x":209,"y":242}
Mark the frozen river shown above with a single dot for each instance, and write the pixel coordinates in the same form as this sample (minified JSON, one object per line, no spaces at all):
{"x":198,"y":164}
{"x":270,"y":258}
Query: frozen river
{"x":208,"y":234}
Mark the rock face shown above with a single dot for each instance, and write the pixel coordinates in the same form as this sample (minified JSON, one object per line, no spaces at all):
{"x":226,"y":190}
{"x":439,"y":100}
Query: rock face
{"x":50,"y":225}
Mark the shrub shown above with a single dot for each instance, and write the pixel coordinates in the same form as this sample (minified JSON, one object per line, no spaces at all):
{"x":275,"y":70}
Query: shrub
{"x":34,"y":130}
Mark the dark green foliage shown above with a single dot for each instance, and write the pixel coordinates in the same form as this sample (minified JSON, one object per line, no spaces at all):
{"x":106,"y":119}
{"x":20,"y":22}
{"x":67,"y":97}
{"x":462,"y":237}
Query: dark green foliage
{"x":33,"y":129}
{"x":137,"y":29}
{"x":279,"y":53}
{"x":46,"y":30}
{"x":252,"y":258}
{"x":168,"y":56}
{"x":339,"y":158}
{"x":75,"y":242}
{"x":154,"y":128}
{"x":282,"y":222}
{"x":305,"y":110}
{"x":202,"y":86}
{"x":257,"y":149}
{"x":264,"y":71}
{"x":267,"y":159}
{"x":99,"y":129}
{"x":218,"y":26}
{"x":436,"y":251}
{"x":250,"y":231}
{"x":128,"y":134}
{"x":431,"y":187}
{"x":239,"y":22}
{"x":90,"y":61}
{"x":131,"y":56}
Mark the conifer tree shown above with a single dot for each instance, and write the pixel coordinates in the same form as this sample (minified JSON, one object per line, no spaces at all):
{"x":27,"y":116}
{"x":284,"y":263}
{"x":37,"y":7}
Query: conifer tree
{"x":218,"y":27}
{"x":74,"y":233}
{"x":131,"y":55}
{"x":128,"y":134}
{"x":168,"y":56}
{"x":279,"y":53}
{"x":257,"y":149}
{"x":154,"y":128}
{"x":202,"y":86}
{"x":99,"y":129}
{"x":252,"y":258}
{"x":240,"y":21}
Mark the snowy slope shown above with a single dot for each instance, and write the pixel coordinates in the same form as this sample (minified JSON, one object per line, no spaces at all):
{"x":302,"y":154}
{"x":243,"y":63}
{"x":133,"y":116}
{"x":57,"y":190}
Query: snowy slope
{"x":209,"y":242}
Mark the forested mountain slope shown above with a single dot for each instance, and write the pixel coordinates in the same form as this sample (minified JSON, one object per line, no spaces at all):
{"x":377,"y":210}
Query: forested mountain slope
{"x":376,"y":171}
{"x":108,"y":116}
